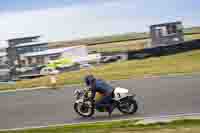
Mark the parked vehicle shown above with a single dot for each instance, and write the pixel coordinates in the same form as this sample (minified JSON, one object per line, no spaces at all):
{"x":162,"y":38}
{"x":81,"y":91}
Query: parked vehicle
{"x":85,"y":65}
{"x":48,"y":70}
{"x":108,"y":59}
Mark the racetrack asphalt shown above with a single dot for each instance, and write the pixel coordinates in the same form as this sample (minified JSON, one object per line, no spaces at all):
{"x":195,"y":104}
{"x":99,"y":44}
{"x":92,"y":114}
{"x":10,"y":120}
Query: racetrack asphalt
{"x":157,"y":96}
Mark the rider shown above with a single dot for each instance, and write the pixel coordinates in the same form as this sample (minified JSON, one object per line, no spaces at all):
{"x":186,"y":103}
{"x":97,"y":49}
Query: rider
{"x":102,"y":87}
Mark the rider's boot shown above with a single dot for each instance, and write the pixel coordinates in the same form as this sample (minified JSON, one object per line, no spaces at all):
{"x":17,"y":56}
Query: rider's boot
{"x":111,"y":107}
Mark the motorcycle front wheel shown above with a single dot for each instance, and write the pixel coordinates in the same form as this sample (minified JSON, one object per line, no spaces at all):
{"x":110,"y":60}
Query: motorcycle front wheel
{"x":128,"y":106}
{"x":83,"y":109}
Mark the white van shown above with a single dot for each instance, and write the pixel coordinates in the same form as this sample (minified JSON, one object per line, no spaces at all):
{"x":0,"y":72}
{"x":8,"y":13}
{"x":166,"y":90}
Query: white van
{"x":48,"y":71}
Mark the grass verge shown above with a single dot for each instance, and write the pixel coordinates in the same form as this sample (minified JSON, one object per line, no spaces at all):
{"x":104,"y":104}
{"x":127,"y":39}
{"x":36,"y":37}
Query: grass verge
{"x":187,"y":62}
{"x":183,"y":126}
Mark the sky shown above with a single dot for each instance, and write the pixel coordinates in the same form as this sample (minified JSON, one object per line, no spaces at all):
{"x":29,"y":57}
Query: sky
{"x":58,"y":20}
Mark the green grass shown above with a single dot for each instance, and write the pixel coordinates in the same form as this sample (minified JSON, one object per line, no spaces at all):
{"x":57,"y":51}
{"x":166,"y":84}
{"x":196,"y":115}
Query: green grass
{"x":183,"y":126}
{"x":192,"y":37}
{"x":192,"y":30}
{"x":187,"y":62}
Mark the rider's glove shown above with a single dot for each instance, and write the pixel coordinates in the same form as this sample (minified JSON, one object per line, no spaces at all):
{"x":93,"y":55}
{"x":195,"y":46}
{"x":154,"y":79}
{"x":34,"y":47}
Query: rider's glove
{"x":90,"y":99}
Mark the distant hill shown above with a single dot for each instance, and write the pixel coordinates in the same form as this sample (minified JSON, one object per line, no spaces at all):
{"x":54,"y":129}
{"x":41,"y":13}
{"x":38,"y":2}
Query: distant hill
{"x":114,"y":38}
{"x":100,"y":40}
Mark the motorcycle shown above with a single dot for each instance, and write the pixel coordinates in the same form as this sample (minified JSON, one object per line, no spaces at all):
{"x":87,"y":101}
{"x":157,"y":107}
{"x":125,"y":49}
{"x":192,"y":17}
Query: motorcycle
{"x":121,"y":99}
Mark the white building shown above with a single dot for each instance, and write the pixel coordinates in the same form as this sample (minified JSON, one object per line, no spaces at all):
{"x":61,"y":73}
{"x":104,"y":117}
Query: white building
{"x":43,"y":57}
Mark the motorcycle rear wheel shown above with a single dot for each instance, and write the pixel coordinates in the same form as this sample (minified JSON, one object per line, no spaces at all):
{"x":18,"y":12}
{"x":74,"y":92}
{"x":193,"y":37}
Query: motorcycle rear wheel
{"x":131,"y":103}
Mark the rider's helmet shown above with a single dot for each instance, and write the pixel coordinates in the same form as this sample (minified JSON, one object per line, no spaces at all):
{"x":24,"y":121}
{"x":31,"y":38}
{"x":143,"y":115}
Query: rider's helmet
{"x":89,"y":79}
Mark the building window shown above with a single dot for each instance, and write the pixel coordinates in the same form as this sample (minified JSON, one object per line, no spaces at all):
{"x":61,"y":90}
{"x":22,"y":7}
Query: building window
{"x":171,"y":29}
{"x":20,"y":50}
{"x":34,"y":40}
{"x":161,"y":31}
{"x":30,"y":60}
{"x":40,"y":60}
{"x":22,"y":62}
